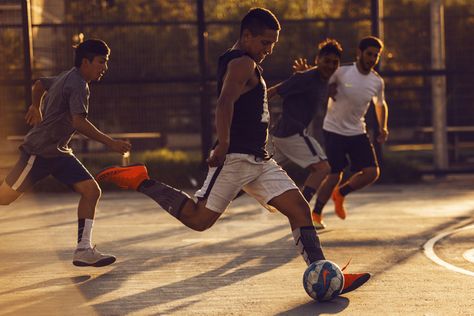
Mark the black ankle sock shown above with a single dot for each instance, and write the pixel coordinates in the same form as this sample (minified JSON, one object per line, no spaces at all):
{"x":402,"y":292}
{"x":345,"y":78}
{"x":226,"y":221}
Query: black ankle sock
{"x":146,"y":184}
{"x":318,"y":207}
{"x":345,"y":189}
{"x":80,"y":228}
{"x":308,"y":244}
{"x":308,"y":193}
{"x":169,"y":198}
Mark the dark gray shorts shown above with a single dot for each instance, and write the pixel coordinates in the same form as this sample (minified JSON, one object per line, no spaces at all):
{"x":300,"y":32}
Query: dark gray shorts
{"x":30,"y":169}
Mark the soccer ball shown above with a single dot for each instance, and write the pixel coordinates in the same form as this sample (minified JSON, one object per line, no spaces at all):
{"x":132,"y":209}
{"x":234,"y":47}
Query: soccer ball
{"x":323,"y":280}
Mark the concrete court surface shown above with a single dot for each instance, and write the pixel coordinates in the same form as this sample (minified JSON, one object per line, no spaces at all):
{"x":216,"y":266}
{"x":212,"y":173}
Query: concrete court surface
{"x":246,"y":264}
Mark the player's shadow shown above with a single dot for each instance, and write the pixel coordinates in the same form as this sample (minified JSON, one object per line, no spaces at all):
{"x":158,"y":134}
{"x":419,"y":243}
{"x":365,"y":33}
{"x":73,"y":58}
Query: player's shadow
{"x":334,"y":306}
{"x":60,"y":224}
{"x":156,"y":259}
{"x":50,"y":283}
{"x":263,"y":258}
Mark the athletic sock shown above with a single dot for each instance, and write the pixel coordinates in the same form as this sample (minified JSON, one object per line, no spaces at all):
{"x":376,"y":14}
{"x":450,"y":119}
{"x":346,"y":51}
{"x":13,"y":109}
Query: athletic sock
{"x":318,"y":207}
{"x":169,"y":198}
{"x":345,"y":189}
{"x":308,"y":244}
{"x":308,"y":193}
{"x":84,"y":233}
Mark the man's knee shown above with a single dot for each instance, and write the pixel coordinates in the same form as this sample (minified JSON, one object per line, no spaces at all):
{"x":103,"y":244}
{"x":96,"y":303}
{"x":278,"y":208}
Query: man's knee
{"x":7,"y":194}
{"x":5,"y":200}
{"x":198,"y":217}
{"x":322,"y":167}
{"x":202,"y":226}
{"x":292,"y":205}
{"x":89,"y":189}
{"x":372,"y":173}
{"x":333,"y":179}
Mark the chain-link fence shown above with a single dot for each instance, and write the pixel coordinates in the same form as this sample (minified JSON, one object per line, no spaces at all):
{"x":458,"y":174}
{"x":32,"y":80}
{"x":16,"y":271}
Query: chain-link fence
{"x":154,"y":82}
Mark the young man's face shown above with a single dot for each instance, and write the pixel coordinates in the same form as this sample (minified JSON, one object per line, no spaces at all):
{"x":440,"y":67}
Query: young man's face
{"x":327,"y":65}
{"x":96,"y":69}
{"x":368,"y":58}
{"x":259,"y":46}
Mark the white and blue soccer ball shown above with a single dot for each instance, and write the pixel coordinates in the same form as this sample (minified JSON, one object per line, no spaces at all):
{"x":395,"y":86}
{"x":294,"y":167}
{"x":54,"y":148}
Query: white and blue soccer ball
{"x":323,"y":280}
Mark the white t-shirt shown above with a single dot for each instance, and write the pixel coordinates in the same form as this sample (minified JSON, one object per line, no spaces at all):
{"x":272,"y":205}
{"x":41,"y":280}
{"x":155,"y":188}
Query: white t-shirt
{"x":346,"y":115}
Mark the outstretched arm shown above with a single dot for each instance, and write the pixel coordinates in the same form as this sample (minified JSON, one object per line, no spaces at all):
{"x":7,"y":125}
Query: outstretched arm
{"x":273,"y":91}
{"x":239,"y":72}
{"x":34,"y":116}
{"x":300,"y":64}
{"x":86,"y":128}
{"x":381,"y":111}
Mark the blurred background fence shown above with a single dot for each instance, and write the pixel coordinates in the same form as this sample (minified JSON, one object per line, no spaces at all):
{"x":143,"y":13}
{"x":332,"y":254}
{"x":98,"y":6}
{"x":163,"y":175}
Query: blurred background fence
{"x":162,"y":67}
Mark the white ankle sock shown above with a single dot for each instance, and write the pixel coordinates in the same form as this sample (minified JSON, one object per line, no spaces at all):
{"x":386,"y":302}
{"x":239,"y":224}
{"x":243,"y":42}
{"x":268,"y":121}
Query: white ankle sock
{"x":86,"y":235}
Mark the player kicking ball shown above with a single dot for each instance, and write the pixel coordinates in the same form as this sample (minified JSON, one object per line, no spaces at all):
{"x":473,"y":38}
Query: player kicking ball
{"x":239,"y":160}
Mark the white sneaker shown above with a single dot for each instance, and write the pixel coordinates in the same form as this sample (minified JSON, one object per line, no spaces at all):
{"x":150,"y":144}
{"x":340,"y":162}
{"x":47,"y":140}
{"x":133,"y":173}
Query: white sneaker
{"x":91,"y":257}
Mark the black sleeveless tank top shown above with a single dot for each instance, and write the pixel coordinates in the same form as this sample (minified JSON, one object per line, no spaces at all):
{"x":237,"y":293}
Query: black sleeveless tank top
{"x":249,"y":127}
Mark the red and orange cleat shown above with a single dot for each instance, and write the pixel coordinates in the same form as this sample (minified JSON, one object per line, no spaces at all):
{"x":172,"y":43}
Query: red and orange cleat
{"x":126,"y":177}
{"x":338,"y":203}
{"x":353,"y":281}
{"x":317,"y":220}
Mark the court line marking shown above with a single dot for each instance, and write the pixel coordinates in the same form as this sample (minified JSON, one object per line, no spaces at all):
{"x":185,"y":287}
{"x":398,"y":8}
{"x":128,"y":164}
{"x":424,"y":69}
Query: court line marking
{"x":430,"y":253}
{"x":469,"y":255}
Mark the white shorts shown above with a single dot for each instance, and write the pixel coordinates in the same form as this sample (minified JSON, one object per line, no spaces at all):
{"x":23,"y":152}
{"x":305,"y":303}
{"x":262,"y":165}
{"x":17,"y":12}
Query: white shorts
{"x":302,"y":149}
{"x":261,"y":179}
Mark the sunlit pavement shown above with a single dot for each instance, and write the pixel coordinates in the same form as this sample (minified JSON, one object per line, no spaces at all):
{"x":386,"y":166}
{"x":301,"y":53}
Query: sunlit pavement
{"x":246,"y":264}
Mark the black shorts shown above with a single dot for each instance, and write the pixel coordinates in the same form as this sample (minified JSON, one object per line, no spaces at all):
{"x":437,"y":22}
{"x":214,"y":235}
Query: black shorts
{"x":30,"y":169}
{"x":357,"y":149}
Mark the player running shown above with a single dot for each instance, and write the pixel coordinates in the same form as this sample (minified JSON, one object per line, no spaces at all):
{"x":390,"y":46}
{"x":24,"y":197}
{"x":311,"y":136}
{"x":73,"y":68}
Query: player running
{"x":59,"y":109}
{"x":302,"y":94}
{"x":352,"y":87}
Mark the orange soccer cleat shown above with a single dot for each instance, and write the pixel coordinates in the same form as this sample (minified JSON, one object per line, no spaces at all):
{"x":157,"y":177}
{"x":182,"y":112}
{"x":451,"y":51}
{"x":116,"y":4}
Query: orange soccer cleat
{"x":353,"y":281}
{"x":338,"y":203}
{"x":126,"y":177}
{"x":317,"y":220}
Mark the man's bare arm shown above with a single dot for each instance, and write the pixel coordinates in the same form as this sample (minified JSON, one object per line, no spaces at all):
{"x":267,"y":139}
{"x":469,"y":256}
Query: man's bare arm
{"x":381,"y":111}
{"x":239,"y":72}
{"x":273,"y":91}
{"x":86,"y":128}
{"x":34,"y":116}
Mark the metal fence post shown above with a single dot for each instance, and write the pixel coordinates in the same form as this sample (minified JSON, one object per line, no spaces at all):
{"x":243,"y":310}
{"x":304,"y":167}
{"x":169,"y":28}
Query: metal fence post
{"x":438,"y":87}
{"x":376,"y":15}
{"x":27,"y":49}
{"x":206,"y":125}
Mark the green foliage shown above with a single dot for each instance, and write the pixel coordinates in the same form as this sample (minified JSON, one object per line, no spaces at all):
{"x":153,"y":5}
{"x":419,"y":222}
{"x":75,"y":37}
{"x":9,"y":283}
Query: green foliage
{"x":11,"y":55}
{"x":11,"y":58}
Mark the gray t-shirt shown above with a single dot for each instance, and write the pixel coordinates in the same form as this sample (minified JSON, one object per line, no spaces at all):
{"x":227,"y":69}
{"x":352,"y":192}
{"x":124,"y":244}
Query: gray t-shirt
{"x":302,"y":94}
{"x":67,"y":94}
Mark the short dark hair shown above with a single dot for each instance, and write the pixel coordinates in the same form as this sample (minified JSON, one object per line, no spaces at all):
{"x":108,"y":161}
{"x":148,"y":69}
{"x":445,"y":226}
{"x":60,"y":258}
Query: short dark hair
{"x":329,"y":46}
{"x":257,"y":20}
{"x":89,"y":49}
{"x":370,"y":41}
